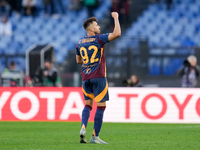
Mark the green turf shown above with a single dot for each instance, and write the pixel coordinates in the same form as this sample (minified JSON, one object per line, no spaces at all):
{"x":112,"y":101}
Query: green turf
{"x":120,"y":136}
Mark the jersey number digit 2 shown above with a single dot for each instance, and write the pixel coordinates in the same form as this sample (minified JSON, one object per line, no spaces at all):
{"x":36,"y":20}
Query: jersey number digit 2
{"x":85,"y":56}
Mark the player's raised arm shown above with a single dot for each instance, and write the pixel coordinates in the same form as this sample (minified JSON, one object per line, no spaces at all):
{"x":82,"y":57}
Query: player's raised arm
{"x":117,"y":29}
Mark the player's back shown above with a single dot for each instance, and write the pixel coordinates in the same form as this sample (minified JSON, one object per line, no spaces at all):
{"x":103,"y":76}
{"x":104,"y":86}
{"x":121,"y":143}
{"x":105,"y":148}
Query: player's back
{"x":91,"y":50}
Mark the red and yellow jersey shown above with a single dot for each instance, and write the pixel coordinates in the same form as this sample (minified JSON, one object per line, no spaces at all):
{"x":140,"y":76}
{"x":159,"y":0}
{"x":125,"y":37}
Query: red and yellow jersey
{"x":91,"y":50}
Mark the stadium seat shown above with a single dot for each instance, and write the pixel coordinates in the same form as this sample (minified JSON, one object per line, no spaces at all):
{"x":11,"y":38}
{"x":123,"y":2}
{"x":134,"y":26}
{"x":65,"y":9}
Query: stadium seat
{"x":2,"y":64}
{"x":171,"y":65}
{"x":168,"y":22}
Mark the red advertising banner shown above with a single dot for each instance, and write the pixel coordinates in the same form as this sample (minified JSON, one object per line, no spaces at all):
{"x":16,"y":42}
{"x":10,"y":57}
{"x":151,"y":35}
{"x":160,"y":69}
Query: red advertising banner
{"x":156,"y":105}
{"x":41,"y":104}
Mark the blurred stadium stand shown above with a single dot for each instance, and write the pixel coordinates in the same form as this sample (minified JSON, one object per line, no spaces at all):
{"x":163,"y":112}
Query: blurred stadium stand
{"x":63,"y":31}
{"x":171,"y":36}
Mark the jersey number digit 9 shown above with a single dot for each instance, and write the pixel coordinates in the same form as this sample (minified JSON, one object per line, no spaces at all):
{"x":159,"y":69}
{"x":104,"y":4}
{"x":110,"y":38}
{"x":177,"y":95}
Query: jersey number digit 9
{"x":85,"y":56}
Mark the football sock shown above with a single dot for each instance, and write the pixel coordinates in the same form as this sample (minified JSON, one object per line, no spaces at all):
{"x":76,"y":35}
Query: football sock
{"x":85,"y":115}
{"x":98,"y":120}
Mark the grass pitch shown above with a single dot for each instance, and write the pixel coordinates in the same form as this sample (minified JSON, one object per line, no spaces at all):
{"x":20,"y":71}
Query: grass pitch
{"x":120,"y":136}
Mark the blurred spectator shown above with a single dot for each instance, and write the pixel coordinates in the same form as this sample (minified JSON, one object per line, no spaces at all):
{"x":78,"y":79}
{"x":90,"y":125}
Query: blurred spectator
{"x":189,"y":72}
{"x":12,"y":76}
{"x":4,"y":8}
{"x":75,"y":5}
{"x":91,"y":6}
{"x":133,"y":82}
{"x":16,"y":5}
{"x":125,"y":11}
{"x":122,"y":7}
{"x":115,"y":6}
{"x":5,"y":27}
{"x":58,"y":6}
{"x":169,"y":4}
{"x":50,"y":74}
{"x":49,"y":7}
{"x":12,"y":67}
{"x":29,"y":7}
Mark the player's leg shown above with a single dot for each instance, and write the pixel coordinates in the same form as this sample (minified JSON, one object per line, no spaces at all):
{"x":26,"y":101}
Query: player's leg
{"x":98,"y":120}
{"x":101,"y":96}
{"x":86,"y":113}
{"x":88,"y":96}
{"x":84,"y":122}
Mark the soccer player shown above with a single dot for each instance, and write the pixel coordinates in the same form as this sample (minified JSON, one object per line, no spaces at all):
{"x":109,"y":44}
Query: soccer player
{"x":90,"y":54}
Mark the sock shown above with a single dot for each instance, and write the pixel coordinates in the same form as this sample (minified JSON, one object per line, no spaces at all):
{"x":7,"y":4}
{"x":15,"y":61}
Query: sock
{"x":85,"y":115}
{"x":98,"y":120}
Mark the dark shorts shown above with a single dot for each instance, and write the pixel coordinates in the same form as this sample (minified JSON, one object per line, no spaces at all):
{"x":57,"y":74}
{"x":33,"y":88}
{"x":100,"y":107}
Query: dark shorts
{"x":96,"y":89}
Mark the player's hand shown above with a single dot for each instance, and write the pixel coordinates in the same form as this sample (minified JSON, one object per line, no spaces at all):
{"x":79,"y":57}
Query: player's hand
{"x":115,"y":15}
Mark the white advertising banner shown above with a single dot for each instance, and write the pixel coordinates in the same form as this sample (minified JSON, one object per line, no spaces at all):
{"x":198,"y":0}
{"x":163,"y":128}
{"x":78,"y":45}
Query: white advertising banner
{"x":142,"y":105}
{"x":153,"y":105}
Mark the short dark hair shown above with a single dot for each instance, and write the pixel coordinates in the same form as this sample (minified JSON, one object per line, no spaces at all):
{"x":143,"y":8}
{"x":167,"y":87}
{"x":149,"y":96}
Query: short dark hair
{"x":12,"y":63}
{"x":88,"y":21}
{"x":47,"y":60}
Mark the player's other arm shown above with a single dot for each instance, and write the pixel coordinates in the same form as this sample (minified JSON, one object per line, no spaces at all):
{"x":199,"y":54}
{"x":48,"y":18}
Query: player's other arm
{"x":117,"y":29}
{"x":79,"y":59}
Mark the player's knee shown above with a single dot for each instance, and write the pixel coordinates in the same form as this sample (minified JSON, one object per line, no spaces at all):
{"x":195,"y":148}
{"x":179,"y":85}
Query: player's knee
{"x":101,"y":107}
{"x":89,"y":102}
{"x":101,"y":104}
{"x":90,"y":107}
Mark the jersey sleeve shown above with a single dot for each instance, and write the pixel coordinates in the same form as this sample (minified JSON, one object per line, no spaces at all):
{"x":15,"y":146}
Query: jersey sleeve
{"x":103,"y":37}
{"x":77,"y":51}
